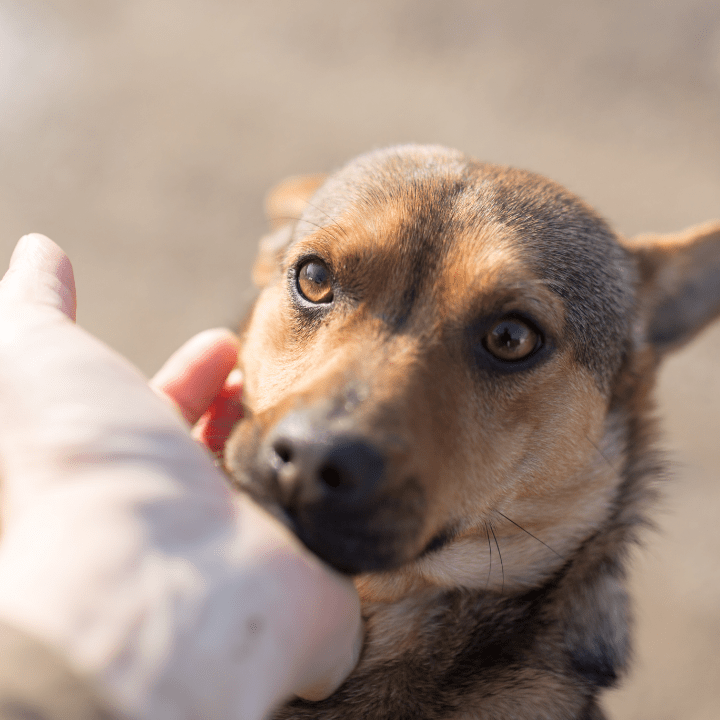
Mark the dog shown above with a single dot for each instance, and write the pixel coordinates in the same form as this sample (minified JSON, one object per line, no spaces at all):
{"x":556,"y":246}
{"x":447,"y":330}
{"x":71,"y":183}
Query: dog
{"x":448,"y":381}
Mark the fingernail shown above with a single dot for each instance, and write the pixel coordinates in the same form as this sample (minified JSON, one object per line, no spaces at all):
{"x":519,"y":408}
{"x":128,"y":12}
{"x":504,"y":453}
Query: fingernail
{"x":235,"y":378}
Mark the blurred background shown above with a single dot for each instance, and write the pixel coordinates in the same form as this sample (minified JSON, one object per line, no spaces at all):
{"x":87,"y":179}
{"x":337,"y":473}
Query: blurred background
{"x":141,"y":135}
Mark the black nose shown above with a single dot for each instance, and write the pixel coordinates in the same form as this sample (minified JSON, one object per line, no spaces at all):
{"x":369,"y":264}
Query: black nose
{"x":314,"y":465}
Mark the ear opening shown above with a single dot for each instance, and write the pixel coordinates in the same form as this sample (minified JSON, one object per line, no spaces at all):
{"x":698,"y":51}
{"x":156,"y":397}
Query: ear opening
{"x":284,"y":205}
{"x":679,"y":289}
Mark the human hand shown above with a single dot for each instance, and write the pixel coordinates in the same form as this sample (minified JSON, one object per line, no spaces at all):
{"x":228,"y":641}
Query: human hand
{"x":123,"y":548}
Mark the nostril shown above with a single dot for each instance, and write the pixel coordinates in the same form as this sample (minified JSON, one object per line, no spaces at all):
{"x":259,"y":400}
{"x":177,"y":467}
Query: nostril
{"x":330,"y":476}
{"x":283,"y":451}
{"x":322,"y":466}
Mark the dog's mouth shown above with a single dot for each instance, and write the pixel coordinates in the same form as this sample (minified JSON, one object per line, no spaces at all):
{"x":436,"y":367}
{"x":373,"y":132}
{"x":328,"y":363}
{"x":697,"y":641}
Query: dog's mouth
{"x":351,"y":542}
{"x":353,"y":534}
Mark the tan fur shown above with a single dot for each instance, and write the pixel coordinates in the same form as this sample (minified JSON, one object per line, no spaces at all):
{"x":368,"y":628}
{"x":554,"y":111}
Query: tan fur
{"x":507,"y":497}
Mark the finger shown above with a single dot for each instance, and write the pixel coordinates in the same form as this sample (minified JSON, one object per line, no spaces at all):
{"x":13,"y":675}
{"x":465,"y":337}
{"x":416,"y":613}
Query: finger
{"x":40,"y":273}
{"x":339,"y":668}
{"x":332,"y":626}
{"x":214,"y":427}
{"x":313,"y":608}
{"x":195,"y":374}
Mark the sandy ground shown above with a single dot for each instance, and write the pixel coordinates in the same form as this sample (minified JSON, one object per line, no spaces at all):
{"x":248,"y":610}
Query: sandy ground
{"x":143,"y":135}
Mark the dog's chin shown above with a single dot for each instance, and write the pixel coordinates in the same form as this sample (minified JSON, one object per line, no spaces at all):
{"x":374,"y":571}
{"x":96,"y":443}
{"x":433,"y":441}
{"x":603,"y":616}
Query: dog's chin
{"x":349,"y":547}
{"x":351,"y":543}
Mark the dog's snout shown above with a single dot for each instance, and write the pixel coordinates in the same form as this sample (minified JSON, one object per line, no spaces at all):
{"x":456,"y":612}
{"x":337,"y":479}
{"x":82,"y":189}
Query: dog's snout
{"x":316,"y":466}
{"x":339,"y":490}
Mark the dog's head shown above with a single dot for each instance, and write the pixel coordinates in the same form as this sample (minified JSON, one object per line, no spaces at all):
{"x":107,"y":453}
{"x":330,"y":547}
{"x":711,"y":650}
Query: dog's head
{"x":438,"y":367}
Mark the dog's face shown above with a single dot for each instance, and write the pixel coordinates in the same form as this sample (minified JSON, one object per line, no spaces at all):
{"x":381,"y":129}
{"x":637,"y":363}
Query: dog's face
{"x":430,"y":371}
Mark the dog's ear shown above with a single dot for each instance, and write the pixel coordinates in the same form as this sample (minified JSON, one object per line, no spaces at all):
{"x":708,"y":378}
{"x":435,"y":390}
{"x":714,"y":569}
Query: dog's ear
{"x":679,"y":292}
{"x":283,"y":205}
{"x":287,"y":200}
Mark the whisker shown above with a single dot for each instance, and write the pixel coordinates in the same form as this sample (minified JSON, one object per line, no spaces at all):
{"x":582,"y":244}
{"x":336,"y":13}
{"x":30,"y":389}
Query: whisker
{"x":292,"y":218}
{"x":530,"y":534}
{"x":487,"y":533}
{"x":602,"y":455}
{"x":502,"y":566}
{"x":329,"y":217}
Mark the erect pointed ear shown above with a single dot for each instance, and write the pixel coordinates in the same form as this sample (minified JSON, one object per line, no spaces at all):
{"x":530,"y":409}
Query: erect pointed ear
{"x":679,"y":291}
{"x":283,"y":205}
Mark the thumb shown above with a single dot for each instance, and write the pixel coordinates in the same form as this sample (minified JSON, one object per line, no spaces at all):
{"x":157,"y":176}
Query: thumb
{"x":40,"y":274}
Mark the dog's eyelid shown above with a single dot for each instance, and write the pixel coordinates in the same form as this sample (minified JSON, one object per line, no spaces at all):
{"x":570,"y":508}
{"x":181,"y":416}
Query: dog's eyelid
{"x":296,"y":260}
{"x":488,"y":320}
{"x":531,"y":303}
{"x":439,"y":541}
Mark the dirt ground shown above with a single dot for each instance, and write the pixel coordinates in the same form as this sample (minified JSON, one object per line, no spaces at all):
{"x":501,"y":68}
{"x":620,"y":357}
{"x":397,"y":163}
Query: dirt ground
{"x":142,"y":135}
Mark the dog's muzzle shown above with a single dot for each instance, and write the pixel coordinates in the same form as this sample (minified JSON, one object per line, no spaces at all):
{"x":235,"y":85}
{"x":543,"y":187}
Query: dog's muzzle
{"x":336,"y":489}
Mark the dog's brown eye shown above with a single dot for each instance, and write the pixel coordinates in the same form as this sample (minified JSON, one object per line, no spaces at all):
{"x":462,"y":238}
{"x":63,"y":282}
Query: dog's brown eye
{"x":315,"y":283}
{"x":511,"y":339}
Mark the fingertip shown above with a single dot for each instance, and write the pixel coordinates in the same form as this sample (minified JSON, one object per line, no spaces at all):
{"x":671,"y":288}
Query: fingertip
{"x":29,"y":244}
{"x":195,"y":373}
{"x":342,"y":667}
{"x":42,"y":273}
{"x":223,"y":343}
{"x":217,"y":347}
{"x":38,"y":249}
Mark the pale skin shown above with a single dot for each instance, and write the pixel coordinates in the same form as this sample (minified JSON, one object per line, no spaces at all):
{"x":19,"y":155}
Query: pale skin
{"x":122,"y":547}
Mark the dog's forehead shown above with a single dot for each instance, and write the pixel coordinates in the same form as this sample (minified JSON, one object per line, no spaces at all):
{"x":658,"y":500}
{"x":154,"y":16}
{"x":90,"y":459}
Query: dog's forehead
{"x":429,"y":211}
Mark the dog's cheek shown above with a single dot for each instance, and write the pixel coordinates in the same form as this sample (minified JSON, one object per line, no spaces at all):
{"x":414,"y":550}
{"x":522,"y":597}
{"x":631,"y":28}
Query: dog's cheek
{"x":240,"y":458}
{"x":266,"y":345}
{"x":562,"y":443}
